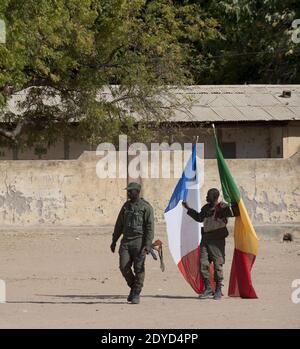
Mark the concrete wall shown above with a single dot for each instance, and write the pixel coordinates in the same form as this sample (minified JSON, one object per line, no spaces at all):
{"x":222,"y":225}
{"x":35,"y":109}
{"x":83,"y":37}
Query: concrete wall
{"x":270,"y":188}
{"x":68,"y":192}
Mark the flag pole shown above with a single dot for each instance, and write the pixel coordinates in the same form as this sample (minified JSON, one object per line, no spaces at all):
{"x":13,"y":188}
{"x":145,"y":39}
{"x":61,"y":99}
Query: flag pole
{"x":214,"y":129}
{"x":197,"y":139}
{"x":215,"y":134}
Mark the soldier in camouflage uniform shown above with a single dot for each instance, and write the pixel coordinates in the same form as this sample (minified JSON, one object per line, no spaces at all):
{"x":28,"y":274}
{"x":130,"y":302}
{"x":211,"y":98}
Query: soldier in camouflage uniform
{"x":136,"y":222}
{"x":212,"y":248}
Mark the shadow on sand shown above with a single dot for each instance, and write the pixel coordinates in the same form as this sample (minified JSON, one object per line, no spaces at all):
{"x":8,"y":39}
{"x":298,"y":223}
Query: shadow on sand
{"x":91,"y":299}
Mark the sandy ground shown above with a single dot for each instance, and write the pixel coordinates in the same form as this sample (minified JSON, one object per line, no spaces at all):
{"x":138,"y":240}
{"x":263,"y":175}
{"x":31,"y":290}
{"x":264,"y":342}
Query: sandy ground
{"x":69,"y":279}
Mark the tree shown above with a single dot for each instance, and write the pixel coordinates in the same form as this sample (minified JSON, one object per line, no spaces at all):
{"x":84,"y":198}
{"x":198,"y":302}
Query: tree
{"x":254,"y":46}
{"x":96,"y":63}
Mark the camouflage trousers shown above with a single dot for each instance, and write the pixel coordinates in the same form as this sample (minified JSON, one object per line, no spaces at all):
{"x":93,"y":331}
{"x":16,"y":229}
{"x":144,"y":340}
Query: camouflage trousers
{"x":212,"y":251}
{"x":131,"y":263}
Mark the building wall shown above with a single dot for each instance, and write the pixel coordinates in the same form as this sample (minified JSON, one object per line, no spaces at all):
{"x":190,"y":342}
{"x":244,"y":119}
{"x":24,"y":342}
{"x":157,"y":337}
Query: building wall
{"x":6,"y":153}
{"x":291,"y":139}
{"x":59,"y":192}
{"x":252,"y":142}
{"x":54,"y":152}
{"x":77,"y":149}
{"x":189,"y":135}
{"x":276,"y":142}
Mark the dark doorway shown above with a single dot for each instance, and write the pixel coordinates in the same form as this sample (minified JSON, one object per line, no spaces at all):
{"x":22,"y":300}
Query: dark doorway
{"x":229,"y":150}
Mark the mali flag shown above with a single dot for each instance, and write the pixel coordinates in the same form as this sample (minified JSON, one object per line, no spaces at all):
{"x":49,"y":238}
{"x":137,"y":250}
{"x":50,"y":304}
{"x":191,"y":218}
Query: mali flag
{"x":245,"y":239}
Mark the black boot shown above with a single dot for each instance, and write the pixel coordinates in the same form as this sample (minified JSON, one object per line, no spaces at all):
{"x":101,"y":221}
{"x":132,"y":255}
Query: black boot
{"x":218,"y":293}
{"x":129,"y":298}
{"x":136,"y":297}
{"x":208,"y":293}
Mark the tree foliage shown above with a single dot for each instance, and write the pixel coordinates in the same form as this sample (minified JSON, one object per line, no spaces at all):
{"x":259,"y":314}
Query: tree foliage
{"x":100,"y":63}
{"x":255,"y":43}
{"x":94,"y":62}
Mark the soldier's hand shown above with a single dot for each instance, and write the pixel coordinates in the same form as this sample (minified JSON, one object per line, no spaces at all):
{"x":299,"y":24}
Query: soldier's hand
{"x":145,"y":250}
{"x":113,"y":247}
{"x":185,"y":205}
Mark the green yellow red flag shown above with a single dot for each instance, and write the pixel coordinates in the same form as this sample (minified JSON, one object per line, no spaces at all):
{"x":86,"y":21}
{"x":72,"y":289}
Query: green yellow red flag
{"x":245,"y":238}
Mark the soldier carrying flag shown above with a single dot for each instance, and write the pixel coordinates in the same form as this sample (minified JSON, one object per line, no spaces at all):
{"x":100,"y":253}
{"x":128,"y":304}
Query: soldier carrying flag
{"x":212,"y":248}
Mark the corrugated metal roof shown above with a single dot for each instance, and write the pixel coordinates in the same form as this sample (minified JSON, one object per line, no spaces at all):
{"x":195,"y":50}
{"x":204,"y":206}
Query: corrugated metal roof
{"x":241,"y":103}
{"x":227,"y":103}
{"x":255,"y":113}
{"x":280,"y":113}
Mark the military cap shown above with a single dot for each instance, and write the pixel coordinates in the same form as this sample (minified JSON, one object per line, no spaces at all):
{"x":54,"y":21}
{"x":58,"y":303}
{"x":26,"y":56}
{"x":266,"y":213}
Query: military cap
{"x":133,"y":185}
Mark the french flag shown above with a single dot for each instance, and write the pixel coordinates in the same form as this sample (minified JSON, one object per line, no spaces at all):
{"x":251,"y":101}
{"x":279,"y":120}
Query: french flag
{"x":184,"y":233}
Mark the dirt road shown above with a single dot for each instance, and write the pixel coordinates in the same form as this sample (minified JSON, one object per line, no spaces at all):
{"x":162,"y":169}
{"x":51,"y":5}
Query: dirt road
{"x":68,"y":278}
